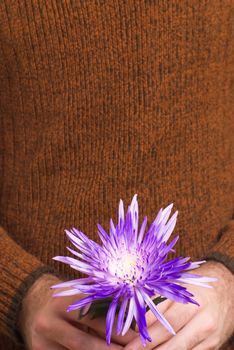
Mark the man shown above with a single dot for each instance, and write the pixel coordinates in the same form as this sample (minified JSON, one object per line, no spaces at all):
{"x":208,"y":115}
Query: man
{"x":101,"y":100}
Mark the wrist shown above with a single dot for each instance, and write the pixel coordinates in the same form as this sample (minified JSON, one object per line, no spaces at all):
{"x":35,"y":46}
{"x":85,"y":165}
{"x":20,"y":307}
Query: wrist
{"x":217,"y":265}
{"x":225,"y":278}
{"x":35,"y":298}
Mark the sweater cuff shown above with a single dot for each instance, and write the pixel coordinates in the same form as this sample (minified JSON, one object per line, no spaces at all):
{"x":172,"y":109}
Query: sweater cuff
{"x":15,"y":307}
{"x":223,"y":250}
{"x":18,"y":271}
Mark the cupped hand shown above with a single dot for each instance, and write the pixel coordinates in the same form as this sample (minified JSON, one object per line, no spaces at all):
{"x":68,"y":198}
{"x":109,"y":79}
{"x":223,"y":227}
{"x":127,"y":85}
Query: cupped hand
{"x":207,"y":326}
{"x":45,"y":324}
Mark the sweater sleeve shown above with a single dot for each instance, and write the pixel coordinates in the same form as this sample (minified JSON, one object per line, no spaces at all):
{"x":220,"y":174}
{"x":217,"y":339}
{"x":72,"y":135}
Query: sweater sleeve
{"x":18,"y":271}
{"x":223,"y":249}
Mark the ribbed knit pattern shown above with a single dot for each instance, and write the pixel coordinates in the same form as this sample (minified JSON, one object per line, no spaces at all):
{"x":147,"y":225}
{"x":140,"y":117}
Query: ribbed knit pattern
{"x":100,"y":100}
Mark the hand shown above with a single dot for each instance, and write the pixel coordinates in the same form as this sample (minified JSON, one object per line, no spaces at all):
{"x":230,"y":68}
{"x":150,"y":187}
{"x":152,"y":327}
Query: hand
{"x":198,"y":328}
{"x":45,"y":324}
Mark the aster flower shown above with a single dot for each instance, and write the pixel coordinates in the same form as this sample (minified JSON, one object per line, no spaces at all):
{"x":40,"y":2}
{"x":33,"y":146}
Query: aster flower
{"x":131,"y":267}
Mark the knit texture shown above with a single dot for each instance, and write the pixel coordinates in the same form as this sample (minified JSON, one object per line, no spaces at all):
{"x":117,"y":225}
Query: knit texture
{"x":100,"y":100}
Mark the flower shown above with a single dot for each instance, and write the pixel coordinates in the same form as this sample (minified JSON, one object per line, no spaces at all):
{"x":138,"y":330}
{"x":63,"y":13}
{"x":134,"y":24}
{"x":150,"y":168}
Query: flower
{"x":130,"y":266}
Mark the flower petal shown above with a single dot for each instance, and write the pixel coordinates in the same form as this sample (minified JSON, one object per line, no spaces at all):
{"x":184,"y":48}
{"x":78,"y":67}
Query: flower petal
{"x":121,"y":315}
{"x":142,"y":230}
{"x":67,"y":293}
{"x":157,"y":313}
{"x":82,"y":302}
{"x":129,"y":316}
{"x":72,"y":283}
{"x":140,"y":315}
{"x":110,"y":317}
{"x":169,"y":227}
{"x":121,"y":214}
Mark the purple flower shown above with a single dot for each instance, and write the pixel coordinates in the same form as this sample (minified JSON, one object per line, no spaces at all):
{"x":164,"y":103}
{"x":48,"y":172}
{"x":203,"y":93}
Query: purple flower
{"x":130,"y":266}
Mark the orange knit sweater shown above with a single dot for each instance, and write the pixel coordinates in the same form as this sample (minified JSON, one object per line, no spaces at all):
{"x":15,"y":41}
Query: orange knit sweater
{"x":103,"y":99}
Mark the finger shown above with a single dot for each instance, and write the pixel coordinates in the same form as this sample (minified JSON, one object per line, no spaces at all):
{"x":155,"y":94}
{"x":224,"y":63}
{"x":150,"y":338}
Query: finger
{"x":73,"y":338}
{"x":99,"y":325}
{"x":177,"y":315}
{"x":207,"y":345}
{"x":192,"y":334}
{"x":43,"y":343}
{"x":53,"y":346}
{"x":210,"y":343}
{"x":163,"y":307}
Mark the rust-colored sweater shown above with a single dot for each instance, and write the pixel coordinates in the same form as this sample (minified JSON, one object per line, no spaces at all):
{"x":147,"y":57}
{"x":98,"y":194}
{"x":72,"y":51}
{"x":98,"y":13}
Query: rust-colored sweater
{"x":103,"y":99}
